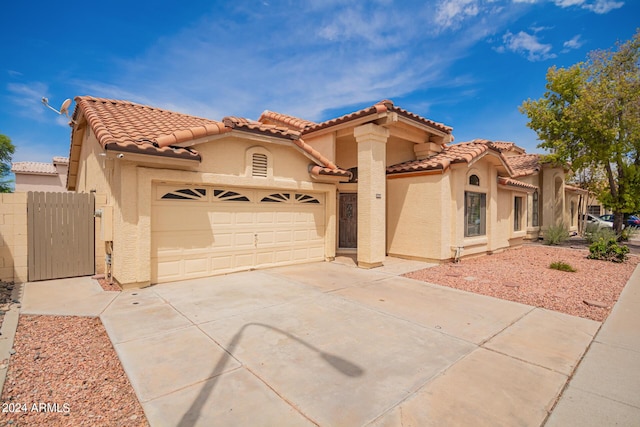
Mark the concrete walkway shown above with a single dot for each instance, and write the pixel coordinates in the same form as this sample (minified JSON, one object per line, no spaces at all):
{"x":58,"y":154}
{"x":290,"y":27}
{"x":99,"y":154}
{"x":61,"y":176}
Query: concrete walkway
{"x":328,"y":344}
{"x":605,"y":389}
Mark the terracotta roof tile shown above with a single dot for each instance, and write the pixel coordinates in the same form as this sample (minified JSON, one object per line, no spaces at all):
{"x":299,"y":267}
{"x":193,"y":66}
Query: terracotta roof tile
{"x":457,"y":153}
{"x":36,"y":168}
{"x":127,"y":126}
{"x":525,"y":164}
{"x":576,"y":189}
{"x":284,"y":120}
{"x":506,"y":146}
{"x":60,"y":160}
{"x":258,"y":127}
{"x":294,"y":136}
{"x":381,"y":107}
{"x":515,"y":183}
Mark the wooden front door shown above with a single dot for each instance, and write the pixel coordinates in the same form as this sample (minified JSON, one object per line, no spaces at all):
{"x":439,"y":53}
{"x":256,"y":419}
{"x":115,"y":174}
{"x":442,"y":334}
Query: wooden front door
{"x":348,"y":222}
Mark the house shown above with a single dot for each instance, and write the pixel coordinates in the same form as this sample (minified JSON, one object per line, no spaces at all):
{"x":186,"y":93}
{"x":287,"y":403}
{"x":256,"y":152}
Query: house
{"x":38,"y":176}
{"x":190,"y":197}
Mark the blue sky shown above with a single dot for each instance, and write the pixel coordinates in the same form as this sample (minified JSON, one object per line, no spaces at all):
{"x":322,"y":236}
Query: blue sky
{"x":466,"y":63}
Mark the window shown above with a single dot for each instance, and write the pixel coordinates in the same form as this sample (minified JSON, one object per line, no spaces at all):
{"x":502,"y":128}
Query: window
{"x":593,"y":210}
{"x":229,"y":196}
{"x":474,"y":180}
{"x":517,"y":213}
{"x":573,"y":213}
{"x":186,"y":194}
{"x":475,"y":207}
{"x":276,"y":198}
{"x":535,"y":209}
{"x":259,"y":165}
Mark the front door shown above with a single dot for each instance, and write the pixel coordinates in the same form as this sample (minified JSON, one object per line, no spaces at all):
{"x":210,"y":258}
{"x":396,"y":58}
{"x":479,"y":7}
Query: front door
{"x":348,"y":222}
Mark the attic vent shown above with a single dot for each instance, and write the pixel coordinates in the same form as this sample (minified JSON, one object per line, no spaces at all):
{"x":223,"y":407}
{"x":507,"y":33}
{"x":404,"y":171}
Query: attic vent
{"x":259,"y":165}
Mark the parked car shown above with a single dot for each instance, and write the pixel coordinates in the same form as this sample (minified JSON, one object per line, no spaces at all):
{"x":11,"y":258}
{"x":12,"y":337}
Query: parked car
{"x":629,"y":220}
{"x":593,"y":220}
{"x":633,"y":221}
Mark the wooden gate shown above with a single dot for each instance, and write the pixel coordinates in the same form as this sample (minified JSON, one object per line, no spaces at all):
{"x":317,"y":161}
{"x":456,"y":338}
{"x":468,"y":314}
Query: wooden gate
{"x":60,"y":231}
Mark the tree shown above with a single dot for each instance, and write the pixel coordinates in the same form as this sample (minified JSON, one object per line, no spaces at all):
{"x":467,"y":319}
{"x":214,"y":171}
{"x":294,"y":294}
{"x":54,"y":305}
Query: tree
{"x":6,"y":150}
{"x":590,"y":117}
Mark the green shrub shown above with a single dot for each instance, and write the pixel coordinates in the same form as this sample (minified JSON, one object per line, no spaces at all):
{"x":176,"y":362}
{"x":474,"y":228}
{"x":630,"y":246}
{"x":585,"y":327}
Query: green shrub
{"x":592,"y":233}
{"x":608,"y":250}
{"x":556,"y":234}
{"x":628,"y":232}
{"x":562,"y":266}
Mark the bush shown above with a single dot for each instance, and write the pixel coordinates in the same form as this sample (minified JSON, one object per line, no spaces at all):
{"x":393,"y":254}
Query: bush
{"x":556,"y":234}
{"x":562,"y":266}
{"x":608,"y":250}
{"x":628,"y":232}
{"x":592,"y":233}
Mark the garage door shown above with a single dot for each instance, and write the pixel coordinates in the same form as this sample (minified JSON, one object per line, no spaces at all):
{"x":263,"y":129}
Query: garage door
{"x":200,"y":231}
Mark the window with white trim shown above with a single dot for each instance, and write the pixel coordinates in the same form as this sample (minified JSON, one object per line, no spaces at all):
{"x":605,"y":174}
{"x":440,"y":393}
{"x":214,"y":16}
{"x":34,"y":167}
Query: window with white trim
{"x":535,"y":210}
{"x":517,"y":213}
{"x":475,"y":214}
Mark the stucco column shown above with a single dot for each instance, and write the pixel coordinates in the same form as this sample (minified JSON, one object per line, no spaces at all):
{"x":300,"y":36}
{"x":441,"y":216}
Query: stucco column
{"x":372,"y":140}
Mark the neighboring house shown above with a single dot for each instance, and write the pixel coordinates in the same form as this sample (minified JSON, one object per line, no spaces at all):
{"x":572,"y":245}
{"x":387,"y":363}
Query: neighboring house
{"x":36,"y":176}
{"x":193,"y":197}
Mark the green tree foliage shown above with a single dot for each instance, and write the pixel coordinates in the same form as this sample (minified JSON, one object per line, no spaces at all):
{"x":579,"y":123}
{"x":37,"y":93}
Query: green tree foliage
{"x":590,"y":117}
{"x":6,"y":151}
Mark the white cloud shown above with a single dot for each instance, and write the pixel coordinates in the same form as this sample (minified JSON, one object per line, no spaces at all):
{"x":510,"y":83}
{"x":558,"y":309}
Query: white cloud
{"x":574,"y":43}
{"x":528,"y":45}
{"x":28,"y":99}
{"x":450,"y":13}
{"x":604,"y":6}
{"x":380,"y":28}
{"x":596,"y":6}
{"x":568,"y":3}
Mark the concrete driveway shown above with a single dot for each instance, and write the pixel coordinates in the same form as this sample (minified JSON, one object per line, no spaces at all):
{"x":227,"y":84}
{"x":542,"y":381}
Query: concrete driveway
{"x":332,"y":345}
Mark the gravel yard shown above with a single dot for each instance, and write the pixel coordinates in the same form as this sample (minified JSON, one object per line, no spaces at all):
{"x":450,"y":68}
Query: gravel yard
{"x":523,"y":275}
{"x":65,"y":372}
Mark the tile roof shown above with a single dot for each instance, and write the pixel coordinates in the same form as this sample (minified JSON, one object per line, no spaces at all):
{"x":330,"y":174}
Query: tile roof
{"x":506,"y":146}
{"x":257,"y":127}
{"x":131,"y":127}
{"x":525,"y":164}
{"x":285,"y":120}
{"x":327,"y":167}
{"x":60,"y":160}
{"x":515,"y":183}
{"x":381,"y":107}
{"x":456,"y":153}
{"x":576,"y":189}
{"x":35,"y":168}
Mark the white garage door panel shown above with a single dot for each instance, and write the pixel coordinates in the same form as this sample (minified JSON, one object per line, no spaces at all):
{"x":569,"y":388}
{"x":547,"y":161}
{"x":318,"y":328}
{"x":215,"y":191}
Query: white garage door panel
{"x":208,"y":234}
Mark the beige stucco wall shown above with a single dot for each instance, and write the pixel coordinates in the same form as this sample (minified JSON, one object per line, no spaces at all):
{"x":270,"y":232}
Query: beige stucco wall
{"x":571,"y":220}
{"x":552,"y":197}
{"x":325,"y":144}
{"x":418,"y":224}
{"x":26,"y":182}
{"x":13,"y":237}
{"x":347,"y":153}
{"x":29,"y":182}
{"x":460,"y":174}
{"x":399,"y":151}
{"x":127,"y":187}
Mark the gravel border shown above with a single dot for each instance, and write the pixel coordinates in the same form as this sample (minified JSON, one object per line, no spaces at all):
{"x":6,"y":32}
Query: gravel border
{"x":65,"y":371}
{"x":523,"y":275}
